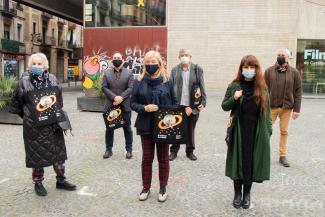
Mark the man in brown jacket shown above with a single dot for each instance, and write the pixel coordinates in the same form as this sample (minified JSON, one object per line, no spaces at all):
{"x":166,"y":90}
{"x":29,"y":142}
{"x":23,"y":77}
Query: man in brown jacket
{"x":285,"y":88}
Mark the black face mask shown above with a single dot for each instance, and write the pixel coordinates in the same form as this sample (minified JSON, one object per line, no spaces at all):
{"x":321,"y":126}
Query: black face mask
{"x":117,"y":63}
{"x":152,"y":68}
{"x":281,"y":60}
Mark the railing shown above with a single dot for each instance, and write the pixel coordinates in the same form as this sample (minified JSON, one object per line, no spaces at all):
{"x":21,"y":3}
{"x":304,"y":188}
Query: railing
{"x":48,"y":40}
{"x":63,"y":44}
{"x":12,"y":46}
{"x":8,"y":7}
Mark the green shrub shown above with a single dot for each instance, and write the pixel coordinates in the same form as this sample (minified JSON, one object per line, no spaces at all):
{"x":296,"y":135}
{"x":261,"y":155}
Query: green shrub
{"x":7,"y":87}
{"x":97,"y":85}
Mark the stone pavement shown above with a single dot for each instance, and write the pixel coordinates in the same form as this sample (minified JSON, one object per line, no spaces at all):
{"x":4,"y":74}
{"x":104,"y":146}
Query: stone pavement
{"x":111,"y":187}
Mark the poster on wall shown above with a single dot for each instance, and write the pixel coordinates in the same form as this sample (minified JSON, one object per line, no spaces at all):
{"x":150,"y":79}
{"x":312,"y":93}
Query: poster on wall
{"x":311,"y":65}
{"x":45,"y":106}
{"x":170,"y":125}
{"x":10,"y":68}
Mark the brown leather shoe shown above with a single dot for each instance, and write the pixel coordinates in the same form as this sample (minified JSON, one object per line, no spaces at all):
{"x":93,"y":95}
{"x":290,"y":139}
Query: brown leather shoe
{"x":284,"y":161}
{"x":108,"y":154}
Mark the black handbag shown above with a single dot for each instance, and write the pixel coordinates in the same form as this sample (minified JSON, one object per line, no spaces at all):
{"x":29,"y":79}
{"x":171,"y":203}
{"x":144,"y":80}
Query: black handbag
{"x":196,"y":95}
{"x":114,"y":118}
{"x":231,"y":124}
{"x":170,"y":125}
{"x":45,"y":106}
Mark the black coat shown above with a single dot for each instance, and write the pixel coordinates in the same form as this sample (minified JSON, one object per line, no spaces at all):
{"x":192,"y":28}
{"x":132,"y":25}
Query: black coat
{"x":141,"y":96}
{"x":44,"y":145}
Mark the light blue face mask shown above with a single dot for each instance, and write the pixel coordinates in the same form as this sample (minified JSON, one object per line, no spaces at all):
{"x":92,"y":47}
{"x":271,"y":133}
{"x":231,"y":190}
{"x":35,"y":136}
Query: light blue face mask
{"x":36,"y":71}
{"x":247,"y":73}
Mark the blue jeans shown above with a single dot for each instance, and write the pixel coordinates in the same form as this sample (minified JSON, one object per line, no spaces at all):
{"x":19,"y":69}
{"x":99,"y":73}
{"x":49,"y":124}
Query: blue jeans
{"x":128,"y":134}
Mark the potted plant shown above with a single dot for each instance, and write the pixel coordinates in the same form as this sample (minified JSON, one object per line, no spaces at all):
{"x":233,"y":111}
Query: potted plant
{"x":7,"y":87}
{"x":96,"y":89}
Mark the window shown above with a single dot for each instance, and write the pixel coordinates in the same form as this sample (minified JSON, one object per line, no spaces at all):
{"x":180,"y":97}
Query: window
{"x":6,"y":32}
{"x":106,"y":13}
{"x":311,"y":65}
{"x":19,"y":33}
{"x":34,"y":28}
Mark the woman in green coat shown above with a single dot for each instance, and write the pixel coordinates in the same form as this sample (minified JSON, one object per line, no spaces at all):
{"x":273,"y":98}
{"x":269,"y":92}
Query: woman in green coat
{"x":248,"y":155}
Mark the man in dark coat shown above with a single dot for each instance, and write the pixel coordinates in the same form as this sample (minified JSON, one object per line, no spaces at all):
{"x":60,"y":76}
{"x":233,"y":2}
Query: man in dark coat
{"x":117,"y":86}
{"x":44,"y":145}
{"x":184,"y":76}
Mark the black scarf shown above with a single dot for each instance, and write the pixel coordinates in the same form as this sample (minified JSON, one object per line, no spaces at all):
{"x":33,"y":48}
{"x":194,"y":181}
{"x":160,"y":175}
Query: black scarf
{"x":40,"y":82}
{"x":157,"y":87}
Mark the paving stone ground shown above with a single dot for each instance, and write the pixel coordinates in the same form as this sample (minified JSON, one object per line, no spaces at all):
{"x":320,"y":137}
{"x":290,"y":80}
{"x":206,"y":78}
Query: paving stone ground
{"x":111,"y":187}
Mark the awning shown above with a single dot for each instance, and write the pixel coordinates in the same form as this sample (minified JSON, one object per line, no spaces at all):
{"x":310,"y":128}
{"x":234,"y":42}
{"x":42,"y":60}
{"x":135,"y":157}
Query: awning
{"x":71,"y":10}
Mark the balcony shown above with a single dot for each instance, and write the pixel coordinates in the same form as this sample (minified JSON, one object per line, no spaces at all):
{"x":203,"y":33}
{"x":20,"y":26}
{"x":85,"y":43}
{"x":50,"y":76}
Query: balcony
{"x":63,"y":44}
{"x":12,"y":46}
{"x":8,"y":8}
{"x":51,"y":41}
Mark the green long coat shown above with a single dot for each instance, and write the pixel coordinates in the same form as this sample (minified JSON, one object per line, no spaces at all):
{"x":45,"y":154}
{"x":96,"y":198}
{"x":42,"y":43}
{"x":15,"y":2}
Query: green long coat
{"x":261,"y":150}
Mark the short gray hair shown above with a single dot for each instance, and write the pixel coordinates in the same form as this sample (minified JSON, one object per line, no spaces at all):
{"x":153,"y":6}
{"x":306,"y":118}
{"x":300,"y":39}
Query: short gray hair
{"x":286,"y":51}
{"x":42,"y":57}
{"x":182,"y":50}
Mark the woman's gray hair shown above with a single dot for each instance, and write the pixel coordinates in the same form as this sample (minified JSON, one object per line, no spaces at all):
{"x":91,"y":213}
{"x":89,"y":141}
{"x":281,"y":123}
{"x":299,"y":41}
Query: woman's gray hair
{"x":42,"y":57}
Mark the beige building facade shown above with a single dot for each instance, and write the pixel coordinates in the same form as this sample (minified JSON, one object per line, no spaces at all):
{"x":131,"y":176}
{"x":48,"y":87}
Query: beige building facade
{"x":35,"y":31}
{"x":220,"y":32}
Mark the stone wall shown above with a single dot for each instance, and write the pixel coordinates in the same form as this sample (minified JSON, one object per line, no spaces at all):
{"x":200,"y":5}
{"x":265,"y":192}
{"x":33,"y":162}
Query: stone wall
{"x":220,"y":32}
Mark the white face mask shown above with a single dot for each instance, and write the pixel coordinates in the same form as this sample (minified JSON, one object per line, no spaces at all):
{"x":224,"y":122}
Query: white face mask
{"x":185,"y":60}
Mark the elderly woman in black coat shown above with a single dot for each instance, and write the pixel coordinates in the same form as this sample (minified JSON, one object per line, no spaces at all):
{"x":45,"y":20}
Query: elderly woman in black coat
{"x":44,"y":145}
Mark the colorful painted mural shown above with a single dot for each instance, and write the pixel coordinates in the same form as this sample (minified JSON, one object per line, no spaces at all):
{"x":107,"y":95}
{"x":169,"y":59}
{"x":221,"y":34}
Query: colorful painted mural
{"x":93,"y":68}
{"x":100,"y":44}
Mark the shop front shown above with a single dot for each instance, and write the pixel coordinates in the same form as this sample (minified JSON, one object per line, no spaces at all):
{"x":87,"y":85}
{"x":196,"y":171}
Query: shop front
{"x":311,"y":65}
{"x":13,"y":65}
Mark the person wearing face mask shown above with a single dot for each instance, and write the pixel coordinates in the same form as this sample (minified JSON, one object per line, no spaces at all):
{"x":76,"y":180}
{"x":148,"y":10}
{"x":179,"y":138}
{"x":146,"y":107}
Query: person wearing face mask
{"x":285,"y":88}
{"x":184,"y":76}
{"x":248,"y":154}
{"x":44,"y":145}
{"x":150,"y":91}
{"x":117,"y":87}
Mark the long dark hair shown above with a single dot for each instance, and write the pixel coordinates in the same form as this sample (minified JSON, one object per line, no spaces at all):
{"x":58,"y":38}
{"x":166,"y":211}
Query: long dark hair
{"x":259,"y":84}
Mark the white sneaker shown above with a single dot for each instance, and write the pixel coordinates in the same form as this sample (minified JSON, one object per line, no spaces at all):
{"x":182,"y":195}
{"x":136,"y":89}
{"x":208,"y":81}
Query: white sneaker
{"x":144,"y":195}
{"x":162,"y":197}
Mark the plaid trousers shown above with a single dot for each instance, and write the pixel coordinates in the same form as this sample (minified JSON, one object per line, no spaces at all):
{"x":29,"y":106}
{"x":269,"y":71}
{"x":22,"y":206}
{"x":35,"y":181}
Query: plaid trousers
{"x":148,"y":153}
{"x":59,"y":168}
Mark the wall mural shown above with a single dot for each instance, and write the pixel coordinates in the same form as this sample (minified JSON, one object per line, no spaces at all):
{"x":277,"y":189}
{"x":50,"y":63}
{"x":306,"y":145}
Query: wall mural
{"x":101,"y":43}
{"x":95,"y":65}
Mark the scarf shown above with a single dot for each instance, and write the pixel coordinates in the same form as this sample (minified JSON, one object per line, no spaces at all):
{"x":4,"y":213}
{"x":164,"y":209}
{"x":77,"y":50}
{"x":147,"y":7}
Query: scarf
{"x":157,"y":88}
{"x":282,"y":69}
{"x":41,"y":82}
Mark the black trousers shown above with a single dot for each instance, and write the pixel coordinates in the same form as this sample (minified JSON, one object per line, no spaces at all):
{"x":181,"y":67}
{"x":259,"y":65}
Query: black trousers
{"x":190,"y":145}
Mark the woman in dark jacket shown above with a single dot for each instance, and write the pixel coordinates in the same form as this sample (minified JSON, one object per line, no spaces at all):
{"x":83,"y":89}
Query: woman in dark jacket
{"x":248,"y":156}
{"x":44,"y":145}
{"x":151,"y":90}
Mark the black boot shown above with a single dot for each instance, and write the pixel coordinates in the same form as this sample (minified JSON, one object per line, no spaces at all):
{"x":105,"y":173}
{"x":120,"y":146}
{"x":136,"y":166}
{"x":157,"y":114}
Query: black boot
{"x":238,"y":196}
{"x":247,"y":196}
{"x":39,"y":189}
{"x":172,"y":156}
{"x":66,"y":186}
